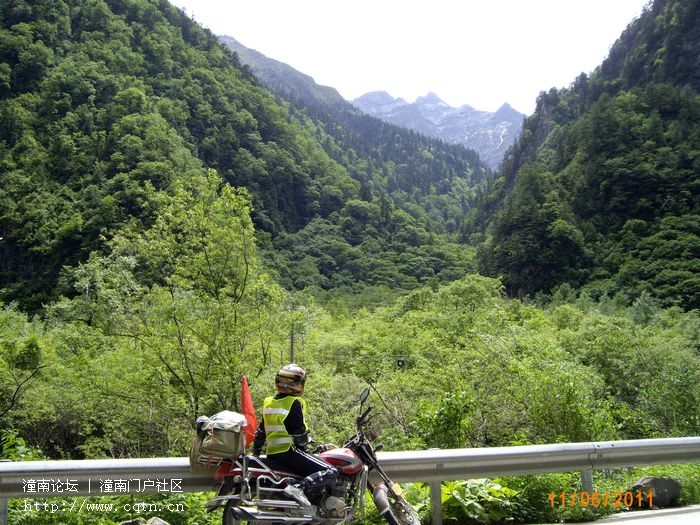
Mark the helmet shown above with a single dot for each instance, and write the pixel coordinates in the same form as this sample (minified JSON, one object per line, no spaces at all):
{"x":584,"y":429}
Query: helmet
{"x":290,"y":380}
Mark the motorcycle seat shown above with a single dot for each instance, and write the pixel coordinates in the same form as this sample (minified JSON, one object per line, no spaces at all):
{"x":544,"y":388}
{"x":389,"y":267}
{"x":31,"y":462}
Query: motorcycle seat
{"x":259,"y":463}
{"x":269,"y":463}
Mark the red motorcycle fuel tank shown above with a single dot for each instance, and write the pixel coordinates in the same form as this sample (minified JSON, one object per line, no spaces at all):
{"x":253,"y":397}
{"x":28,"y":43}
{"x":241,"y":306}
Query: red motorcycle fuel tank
{"x":344,"y":459}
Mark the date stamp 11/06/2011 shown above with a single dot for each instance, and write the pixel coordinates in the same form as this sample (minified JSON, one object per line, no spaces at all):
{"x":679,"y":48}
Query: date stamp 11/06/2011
{"x":616,"y":499}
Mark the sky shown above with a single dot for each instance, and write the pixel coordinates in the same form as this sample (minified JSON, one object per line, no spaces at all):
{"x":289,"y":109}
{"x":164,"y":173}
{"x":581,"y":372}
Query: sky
{"x":482,"y":53}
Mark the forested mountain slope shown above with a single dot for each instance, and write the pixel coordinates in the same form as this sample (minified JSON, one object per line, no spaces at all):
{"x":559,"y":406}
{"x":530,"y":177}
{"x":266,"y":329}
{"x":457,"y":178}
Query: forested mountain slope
{"x":426,"y":180}
{"x":103,"y":104}
{"x":602,"y":190}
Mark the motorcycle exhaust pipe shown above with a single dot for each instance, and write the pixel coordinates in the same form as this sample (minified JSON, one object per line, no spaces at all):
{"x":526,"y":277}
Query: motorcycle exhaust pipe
{"x":253,"y":514}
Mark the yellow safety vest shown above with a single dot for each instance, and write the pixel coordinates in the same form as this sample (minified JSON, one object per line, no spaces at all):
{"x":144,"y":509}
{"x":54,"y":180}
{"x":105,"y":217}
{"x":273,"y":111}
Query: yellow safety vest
{"x":275,"y":411}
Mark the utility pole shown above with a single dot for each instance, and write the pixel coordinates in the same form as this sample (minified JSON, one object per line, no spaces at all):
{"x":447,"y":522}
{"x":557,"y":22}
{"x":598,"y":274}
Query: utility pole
{"x":291,"y":344}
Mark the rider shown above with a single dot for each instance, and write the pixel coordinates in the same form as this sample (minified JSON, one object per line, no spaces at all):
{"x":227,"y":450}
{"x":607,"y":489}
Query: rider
{"x":284,"y":432}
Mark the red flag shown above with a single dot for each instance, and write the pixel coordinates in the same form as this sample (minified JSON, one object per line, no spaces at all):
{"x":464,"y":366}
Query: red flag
{"x":248,"y":412}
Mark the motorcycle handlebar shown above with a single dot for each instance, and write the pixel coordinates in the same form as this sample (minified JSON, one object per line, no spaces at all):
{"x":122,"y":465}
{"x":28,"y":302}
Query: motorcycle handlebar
{"x":362,"y":418}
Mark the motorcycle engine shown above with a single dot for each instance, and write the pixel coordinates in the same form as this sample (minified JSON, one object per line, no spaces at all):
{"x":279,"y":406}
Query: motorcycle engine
{"x":332,"y":507}
{"x":340,"y":489}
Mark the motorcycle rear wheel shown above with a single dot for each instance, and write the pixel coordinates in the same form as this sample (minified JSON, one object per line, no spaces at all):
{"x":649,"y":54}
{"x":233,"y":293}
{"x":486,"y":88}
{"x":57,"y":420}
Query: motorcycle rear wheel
{"x":229,"y":518}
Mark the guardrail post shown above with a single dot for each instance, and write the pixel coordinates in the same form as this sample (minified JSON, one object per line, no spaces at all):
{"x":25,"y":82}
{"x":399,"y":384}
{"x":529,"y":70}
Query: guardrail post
{"x":436,"y":502}
{"x":3,"y":512}
{"x":3,"y":504}
{"x":587,"y":481}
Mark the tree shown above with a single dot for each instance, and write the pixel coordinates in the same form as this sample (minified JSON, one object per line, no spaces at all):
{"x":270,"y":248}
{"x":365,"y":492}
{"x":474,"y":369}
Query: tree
{"x":187,"y":296}
{"x":536,"y":244}
{"x":20,"y":359}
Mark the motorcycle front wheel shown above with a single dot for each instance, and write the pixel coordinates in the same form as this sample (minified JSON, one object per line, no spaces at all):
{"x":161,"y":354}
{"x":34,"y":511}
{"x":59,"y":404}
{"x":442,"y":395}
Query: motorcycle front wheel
{"x":401,"y":513}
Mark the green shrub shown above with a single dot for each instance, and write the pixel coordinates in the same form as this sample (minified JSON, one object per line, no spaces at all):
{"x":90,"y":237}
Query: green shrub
{"x":537,"y":499}
{"x":478,"y":500}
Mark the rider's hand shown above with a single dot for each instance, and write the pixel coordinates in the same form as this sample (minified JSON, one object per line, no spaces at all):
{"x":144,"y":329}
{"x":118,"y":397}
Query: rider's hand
{"x":301,"y":441}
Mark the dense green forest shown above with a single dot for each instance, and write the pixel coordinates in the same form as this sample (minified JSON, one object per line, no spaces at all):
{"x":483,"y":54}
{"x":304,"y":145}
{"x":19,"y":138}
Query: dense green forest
{"x":102,"y":100}
{"x":168,"y":225}
{"x":602,"y":190}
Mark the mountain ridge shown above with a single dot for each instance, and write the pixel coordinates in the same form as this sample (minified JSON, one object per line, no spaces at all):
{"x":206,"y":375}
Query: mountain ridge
{"x":489,"y":133}
{"x":268,"y":70}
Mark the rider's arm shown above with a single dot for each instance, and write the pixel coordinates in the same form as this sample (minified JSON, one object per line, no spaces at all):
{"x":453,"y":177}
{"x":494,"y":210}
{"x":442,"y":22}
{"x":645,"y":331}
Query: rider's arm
{"x":259,"y":440}
{"x":296,"y":425}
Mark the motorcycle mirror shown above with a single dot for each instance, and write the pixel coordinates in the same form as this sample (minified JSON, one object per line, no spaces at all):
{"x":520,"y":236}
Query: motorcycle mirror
{"x":363,"y":396}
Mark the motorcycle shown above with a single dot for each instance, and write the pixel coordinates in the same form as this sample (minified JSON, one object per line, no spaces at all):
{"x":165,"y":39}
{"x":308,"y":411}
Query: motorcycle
{"x":251,"y":489}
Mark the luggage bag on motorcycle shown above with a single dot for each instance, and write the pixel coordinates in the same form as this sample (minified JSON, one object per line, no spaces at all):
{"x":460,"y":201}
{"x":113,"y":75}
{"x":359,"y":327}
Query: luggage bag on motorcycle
{"x":219,"y":437}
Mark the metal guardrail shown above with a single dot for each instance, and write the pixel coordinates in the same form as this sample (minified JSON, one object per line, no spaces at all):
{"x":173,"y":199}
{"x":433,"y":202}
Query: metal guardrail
{"x":468,"y":463}
{"x":99,"y":477}
{"x":110,"y":477}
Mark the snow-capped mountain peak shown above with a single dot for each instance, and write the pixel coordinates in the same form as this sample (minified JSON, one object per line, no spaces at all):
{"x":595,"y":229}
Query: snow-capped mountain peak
{"x":490,"y":134}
